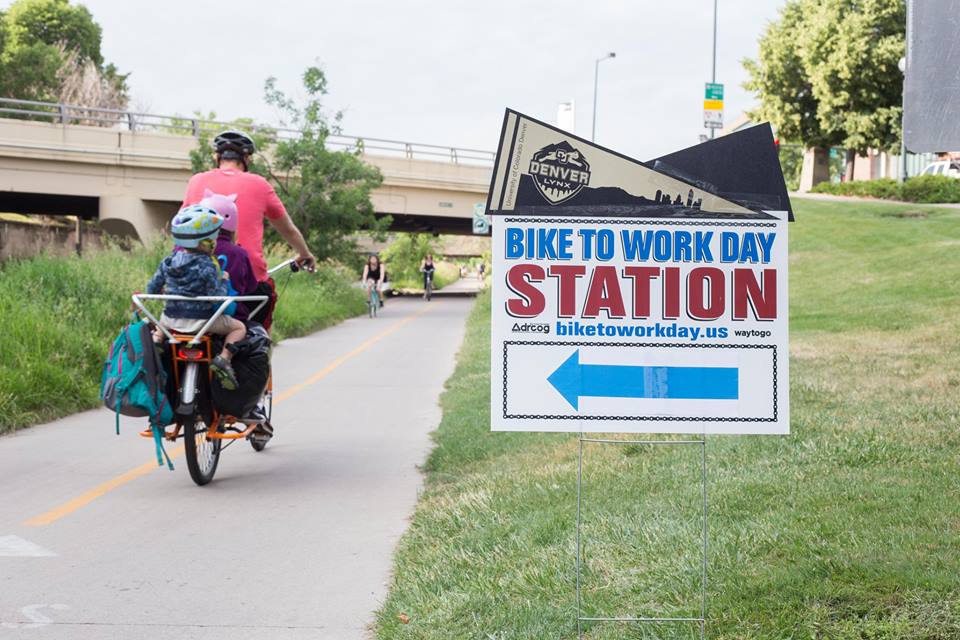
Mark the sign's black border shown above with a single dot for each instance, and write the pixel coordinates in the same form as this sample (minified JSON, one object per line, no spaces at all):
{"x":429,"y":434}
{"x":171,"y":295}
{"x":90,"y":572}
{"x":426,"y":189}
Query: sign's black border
{"x":521,"y":416}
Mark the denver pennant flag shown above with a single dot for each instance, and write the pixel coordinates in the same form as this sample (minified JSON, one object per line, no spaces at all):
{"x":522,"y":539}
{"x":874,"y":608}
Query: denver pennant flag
{"x":542,"y":170}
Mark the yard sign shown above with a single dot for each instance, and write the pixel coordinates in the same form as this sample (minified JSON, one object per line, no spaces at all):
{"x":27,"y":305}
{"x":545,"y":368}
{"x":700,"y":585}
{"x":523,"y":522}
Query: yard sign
{"x":629,"y":300}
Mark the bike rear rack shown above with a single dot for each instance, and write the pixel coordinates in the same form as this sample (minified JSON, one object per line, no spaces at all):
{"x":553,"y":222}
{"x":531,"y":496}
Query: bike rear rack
{"x":225,"y":301}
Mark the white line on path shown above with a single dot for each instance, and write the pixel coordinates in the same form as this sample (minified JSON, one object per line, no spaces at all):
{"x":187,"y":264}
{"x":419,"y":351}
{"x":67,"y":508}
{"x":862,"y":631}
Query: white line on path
{"x":16,"y":547}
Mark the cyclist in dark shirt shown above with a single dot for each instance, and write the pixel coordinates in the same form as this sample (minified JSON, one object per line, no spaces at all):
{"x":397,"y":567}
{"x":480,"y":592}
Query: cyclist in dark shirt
{"x":427,"y":268}
{"x":373,"y":276}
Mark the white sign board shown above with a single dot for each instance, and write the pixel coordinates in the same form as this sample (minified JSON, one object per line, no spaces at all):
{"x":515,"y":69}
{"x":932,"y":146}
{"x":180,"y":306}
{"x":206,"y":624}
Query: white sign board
{"x":481,"y":225}
{"x":712,"y":119}
{"x":654,"y":314}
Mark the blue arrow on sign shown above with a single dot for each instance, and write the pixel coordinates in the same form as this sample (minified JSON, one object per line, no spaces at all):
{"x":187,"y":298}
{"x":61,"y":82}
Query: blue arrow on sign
{"x":574,"y":381}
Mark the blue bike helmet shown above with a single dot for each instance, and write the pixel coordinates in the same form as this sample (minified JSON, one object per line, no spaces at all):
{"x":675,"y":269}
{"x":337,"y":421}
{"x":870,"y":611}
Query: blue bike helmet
{"x":194,"y":224}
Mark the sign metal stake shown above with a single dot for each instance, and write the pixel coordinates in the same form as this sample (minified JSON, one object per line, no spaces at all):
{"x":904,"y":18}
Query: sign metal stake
{"x":702,"y":619}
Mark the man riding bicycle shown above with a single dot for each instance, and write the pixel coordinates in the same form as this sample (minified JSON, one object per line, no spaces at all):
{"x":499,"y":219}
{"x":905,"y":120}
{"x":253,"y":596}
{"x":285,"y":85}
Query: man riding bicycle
{"x":256,"y":200}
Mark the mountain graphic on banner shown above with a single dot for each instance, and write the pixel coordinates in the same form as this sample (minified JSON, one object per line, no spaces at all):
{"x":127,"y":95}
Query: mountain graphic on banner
{"x":543,"y":171}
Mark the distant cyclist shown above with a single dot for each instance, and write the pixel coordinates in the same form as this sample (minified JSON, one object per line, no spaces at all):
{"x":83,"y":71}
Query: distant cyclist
{"x":373,"y":276}
{"x":256,"y":200}
{"x":427,"y":268}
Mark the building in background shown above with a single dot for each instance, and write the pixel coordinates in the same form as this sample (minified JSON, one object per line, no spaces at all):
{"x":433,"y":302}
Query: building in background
{"x":819,"y":164}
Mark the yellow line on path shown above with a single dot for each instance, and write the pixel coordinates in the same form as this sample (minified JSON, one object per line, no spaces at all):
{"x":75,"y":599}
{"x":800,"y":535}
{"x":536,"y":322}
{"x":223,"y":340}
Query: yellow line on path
{"x":86,"y":498}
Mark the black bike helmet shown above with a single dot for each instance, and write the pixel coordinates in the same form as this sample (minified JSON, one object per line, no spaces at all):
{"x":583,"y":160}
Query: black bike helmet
{"x":234,"y":145}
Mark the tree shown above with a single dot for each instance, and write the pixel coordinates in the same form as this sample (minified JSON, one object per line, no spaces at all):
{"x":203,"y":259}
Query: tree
{"x":327,"y":193}
{"x":780,"y":80}
{"x":44,"y":44}
{"x":83,"y":83}
{"x":402,"y":258}
{"x":851,"y":51}
{"x":827,"y":73}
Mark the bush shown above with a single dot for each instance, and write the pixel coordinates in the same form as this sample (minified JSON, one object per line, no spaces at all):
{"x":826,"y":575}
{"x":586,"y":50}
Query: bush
{"x":923,"y":189}
{"x":60,"y":315}
{"x":931,"y":189}
{"x":404,"y":255}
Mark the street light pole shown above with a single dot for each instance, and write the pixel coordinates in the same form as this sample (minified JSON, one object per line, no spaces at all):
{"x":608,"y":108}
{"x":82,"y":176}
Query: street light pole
{"x":902,"y":65}
{"x":713,"y":72}
{"x":596,"y":76}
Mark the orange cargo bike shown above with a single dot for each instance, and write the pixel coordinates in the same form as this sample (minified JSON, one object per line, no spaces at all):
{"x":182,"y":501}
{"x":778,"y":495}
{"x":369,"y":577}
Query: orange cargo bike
{"x":205,"y":430}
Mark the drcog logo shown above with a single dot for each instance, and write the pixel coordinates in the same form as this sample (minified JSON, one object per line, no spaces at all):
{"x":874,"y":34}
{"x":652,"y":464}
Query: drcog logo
{"x":559,"y":171}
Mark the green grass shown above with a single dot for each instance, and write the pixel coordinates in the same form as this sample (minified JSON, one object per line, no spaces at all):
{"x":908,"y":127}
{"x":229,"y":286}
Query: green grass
{"x":849,"y":528}
{"x":58,"y":317}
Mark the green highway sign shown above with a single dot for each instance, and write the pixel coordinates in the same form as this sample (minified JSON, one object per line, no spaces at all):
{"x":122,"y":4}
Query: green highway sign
{"x":713,"y":91}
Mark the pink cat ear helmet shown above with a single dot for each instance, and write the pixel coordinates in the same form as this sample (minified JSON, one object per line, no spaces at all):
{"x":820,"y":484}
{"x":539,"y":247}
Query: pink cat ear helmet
{"x":225,"y":206}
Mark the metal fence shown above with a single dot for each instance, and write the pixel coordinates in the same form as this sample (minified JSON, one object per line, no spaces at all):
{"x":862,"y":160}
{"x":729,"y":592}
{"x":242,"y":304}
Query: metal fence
{"x":71,"y":114}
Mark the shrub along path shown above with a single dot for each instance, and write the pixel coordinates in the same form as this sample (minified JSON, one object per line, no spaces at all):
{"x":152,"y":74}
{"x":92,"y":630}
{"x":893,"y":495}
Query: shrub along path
{"x":928,"y":189}
{"x":849,"y":528}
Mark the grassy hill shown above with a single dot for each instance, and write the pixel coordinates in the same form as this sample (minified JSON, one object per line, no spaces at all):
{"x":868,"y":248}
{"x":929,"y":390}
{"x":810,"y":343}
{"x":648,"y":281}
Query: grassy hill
{"x":847,"y":529}
{"x":59,"y":316}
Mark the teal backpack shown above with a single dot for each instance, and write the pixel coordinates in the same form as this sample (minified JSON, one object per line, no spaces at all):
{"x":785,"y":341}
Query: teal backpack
{"x":134,"y":382}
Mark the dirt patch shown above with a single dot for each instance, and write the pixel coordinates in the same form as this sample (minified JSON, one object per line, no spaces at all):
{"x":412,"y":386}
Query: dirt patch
{"x":906,"y":214}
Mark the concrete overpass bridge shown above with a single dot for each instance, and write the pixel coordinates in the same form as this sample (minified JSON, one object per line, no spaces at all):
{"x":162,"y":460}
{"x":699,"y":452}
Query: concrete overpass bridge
{"x":130,"y":170}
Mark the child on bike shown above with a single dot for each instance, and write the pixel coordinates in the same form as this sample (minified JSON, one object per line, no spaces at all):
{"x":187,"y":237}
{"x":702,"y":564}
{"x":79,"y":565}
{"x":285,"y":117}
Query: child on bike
{"x":194,"y":271}
{"x":233,"y":258}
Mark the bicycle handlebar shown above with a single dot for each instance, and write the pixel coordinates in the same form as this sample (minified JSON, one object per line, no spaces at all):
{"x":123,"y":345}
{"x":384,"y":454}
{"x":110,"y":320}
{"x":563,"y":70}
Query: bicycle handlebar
{"x":292,"y":263}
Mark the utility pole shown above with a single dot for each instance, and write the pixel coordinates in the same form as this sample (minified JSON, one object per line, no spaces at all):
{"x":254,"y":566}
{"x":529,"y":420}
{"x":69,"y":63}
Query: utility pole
{"x":713,"y":72}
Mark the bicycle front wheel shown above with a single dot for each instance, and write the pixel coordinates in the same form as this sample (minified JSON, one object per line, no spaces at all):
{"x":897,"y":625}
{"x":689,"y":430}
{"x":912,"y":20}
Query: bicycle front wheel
{"x":203,"y":454}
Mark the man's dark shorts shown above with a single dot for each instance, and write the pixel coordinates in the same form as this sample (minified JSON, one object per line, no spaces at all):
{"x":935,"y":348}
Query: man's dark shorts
{"x":265,"y":315}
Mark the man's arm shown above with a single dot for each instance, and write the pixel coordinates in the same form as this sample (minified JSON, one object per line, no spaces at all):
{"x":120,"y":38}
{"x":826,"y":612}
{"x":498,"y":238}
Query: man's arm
{"x":289,"y":232}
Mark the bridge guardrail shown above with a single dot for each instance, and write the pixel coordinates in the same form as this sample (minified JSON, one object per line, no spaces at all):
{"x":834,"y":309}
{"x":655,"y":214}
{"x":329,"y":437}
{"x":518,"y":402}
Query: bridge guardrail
{"x":66,"y":114}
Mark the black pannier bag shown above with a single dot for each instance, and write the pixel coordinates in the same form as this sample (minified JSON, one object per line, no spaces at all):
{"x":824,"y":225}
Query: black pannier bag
{"x":251,"y":362}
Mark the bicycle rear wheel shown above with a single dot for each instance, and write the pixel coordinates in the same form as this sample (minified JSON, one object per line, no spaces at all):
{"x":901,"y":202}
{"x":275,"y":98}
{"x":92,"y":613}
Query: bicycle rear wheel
{"x":202,"y":454}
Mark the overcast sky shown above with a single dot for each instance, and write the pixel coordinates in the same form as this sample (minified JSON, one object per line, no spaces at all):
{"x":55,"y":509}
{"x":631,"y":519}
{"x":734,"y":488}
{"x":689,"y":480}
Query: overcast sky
{"x":442,"y":71}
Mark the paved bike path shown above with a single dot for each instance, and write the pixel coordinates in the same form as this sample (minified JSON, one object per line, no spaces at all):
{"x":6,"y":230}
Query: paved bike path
{"x":293,"y":542}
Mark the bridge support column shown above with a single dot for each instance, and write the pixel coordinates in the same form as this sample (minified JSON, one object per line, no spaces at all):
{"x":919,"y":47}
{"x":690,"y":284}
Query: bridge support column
{"x":131,"y":217}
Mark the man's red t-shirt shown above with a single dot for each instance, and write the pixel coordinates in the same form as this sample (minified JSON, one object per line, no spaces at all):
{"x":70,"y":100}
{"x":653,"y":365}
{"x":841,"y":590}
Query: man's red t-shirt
{"x":256,"y":200}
